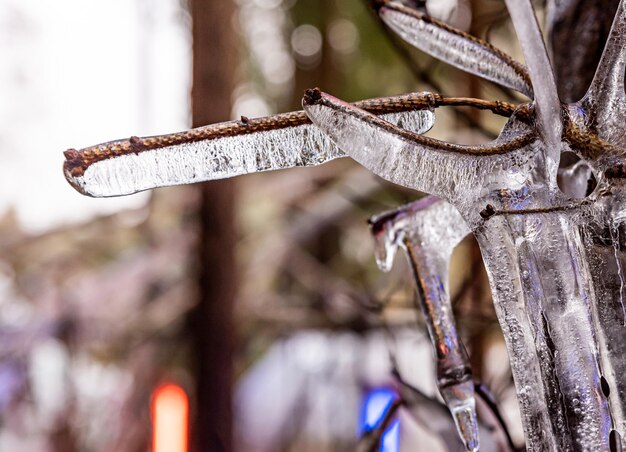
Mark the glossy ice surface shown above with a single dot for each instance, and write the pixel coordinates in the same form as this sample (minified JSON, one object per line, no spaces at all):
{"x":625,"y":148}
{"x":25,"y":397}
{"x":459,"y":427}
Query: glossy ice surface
{"x":219,"y":157}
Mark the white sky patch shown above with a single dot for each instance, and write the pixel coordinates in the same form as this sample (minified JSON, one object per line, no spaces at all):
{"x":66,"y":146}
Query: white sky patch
{"x":74,"y":73}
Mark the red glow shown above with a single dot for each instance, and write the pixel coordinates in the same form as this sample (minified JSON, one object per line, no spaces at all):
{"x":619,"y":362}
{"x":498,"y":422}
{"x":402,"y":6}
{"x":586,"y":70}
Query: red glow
{"x":170,"y":418}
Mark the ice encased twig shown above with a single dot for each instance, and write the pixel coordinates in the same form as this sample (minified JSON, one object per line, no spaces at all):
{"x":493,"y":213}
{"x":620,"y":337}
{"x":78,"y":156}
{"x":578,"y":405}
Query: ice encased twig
{"x":223,"y":154}
{"x":544,"y":86}
{"x":528,"y":233}
{"x":455,"y":47}
{"x":457,"y":173}
{"x":429,"y":230}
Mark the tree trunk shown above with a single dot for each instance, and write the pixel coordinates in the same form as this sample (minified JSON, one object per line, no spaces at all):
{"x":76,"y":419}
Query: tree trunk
{"x":214,"y":61}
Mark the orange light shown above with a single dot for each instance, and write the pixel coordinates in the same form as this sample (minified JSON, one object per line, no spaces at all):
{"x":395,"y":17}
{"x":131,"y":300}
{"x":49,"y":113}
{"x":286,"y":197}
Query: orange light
{"x":170,"y":417}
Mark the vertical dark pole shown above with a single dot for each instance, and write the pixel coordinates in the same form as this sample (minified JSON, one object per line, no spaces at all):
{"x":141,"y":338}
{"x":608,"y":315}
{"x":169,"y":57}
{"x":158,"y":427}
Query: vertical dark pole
{"x":214,"y":60}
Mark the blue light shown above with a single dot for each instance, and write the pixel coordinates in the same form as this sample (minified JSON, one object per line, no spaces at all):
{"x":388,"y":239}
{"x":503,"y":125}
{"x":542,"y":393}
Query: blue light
{"x":391,"y":438}
{"x":375,"y":405}
{"x":374,"y":408}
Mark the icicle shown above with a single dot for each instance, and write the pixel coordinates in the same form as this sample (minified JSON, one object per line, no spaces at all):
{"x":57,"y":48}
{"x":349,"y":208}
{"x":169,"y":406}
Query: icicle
{"x":437,"y":419}
{"x":387,"y":238}
{"x":456,"y":47}
{"x":542,"y":295}
{"x":604,"y":234}
{"x":546,"y":98}
{"x":429,"y":230}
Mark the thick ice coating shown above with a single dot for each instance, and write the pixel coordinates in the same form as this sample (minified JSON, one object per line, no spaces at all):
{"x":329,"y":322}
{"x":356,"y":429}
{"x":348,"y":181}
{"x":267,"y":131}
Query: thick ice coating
{"x":455,"y":47}
{"x":533,"y":252}
{"x":456,"y":173}
{"x":237,"y":147}
{"x":603,"y":112}
{"x":222,"y":150}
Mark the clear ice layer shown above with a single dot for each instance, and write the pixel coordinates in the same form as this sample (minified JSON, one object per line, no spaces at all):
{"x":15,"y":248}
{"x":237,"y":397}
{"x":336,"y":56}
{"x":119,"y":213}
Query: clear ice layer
{"x":220,"y":158}
{"x":547,"y":101}
{"x":543,"y":298}
{"x":603,"y":112}
{"x":456,"y":48}
{"x":459,"y":174}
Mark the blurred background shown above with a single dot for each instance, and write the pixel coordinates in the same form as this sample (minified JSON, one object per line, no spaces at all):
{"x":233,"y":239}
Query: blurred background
{"x":251,"y":312}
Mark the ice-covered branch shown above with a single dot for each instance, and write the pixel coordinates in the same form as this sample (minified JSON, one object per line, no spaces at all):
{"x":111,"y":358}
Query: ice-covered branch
{"x":450,"y":171}
{"x":455,"y":47}
{"x":234,"y":148}
{"x":546,"y":98}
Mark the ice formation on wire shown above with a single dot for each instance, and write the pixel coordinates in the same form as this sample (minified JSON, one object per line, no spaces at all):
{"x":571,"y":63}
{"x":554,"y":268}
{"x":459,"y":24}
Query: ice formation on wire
{"x":429,"y":230}
{"x":554,"y":257}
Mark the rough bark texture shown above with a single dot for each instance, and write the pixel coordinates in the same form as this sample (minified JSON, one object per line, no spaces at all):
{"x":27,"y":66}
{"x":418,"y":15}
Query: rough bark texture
{"x":214,"y":60}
